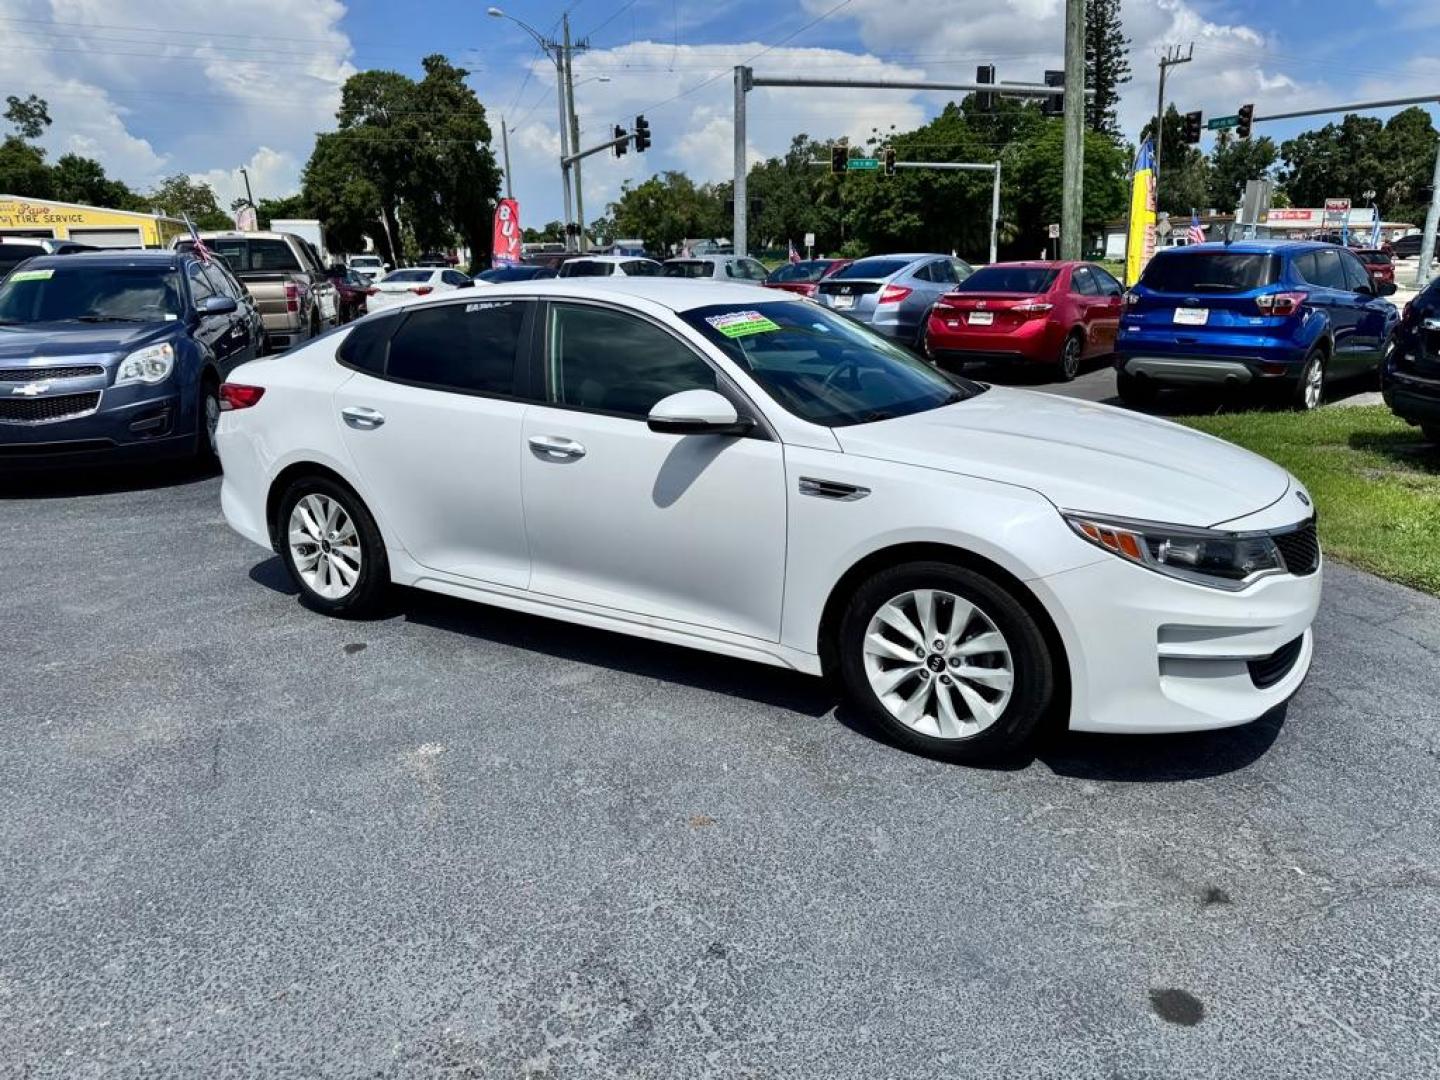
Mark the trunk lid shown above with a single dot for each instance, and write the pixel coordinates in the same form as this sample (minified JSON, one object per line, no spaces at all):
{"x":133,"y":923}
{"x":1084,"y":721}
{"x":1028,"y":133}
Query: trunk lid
{"x":996,"y":312}
{"x":850,"y":295}
{"x":1206,"y":293}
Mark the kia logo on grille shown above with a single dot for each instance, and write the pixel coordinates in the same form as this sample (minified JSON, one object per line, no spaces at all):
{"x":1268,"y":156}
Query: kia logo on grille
{"x":34,"y":389}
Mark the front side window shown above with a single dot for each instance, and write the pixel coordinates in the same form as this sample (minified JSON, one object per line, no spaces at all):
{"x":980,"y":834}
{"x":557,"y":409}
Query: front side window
{"x":1081,"y":282}
{"x":472,"y":347}
{"x":823,"y":367}
{"x":686,"y":269}
{"x":611,"y":362}
{"x":200,"y":287}
{"x":91,"y":294}
{"x":810,"y":271}
{"x":1106,"y":282}
{"x":1356,"y":276}
{"x":752,"y":270}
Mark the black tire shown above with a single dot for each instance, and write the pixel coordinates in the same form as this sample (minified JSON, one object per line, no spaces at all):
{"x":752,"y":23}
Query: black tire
{"x":1031,"y":661}
{"x":1431,"y":433}
{"x":207,"y":414}
{"x":1300,"y":401}
{"x":1068,"y":366}
{"x":314,"y":324}
{"x":1135,"y":391}
{"x":366,"y":596}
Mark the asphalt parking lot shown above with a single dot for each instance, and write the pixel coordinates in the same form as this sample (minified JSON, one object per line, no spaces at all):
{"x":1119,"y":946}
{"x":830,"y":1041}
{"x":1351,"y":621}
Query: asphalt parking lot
{"x":242,"y":839}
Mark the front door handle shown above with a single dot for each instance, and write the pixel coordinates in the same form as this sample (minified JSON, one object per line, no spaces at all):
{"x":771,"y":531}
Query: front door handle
{"x":557,"y":447}
{"x":362,"y":417}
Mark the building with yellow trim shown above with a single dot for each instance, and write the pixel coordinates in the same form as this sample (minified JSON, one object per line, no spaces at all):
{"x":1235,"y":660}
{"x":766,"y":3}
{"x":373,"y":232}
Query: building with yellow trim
{"x":51,"y":220}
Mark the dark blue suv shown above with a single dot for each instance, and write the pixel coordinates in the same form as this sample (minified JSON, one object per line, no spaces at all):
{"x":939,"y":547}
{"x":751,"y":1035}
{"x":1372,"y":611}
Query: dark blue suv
{"x":1269,"y":314}
{"x":117,"y":355}
{"x":1411,"y":379}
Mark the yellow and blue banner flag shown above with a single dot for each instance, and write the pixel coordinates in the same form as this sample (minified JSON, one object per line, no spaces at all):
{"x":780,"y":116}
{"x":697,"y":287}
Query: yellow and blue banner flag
{"x":1140,"y":243}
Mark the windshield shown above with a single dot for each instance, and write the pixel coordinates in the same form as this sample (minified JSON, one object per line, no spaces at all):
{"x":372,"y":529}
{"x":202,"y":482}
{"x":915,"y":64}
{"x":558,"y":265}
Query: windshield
{"x":824,"y":368}
{"x":1016,"y":279}
{"x":92,"y":294}
{"x":585,"y":268}
{"x":687,"y":269}
{"x":799,"y":272}
{"x":1210,"y":271}
{"x":871,"y":268}
{"x":515,"y":273}
{"x":409,"y":275}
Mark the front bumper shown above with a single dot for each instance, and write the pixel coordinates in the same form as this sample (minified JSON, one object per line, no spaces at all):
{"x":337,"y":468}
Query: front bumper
{"x":130,"y":424}
{"x":1151,"y":654}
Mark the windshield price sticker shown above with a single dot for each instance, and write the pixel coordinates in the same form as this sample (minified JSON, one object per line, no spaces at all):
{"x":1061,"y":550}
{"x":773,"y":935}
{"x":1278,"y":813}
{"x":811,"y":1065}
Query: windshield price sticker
{"x":32,"y":275}
{"x":741,"y":323}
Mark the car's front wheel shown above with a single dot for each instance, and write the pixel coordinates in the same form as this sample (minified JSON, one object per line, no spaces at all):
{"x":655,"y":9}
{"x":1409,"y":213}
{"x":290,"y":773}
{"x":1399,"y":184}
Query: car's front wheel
{"x":944,"y":661}
{"x":206,"y":448}
{"x":332,"y":548}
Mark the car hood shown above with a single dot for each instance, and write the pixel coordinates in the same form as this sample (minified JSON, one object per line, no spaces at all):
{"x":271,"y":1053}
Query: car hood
{"x":41,"y":341}
{"x":1080,"y":456}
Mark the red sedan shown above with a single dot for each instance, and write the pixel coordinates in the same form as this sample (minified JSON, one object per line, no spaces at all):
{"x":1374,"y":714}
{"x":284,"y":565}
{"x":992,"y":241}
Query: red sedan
{"x":1053,"y":313}
{"x":1378,"y":263}
{"x":803,"y":277}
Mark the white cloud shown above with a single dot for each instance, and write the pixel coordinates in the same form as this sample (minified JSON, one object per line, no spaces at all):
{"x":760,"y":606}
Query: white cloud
{"x":272,"y":174}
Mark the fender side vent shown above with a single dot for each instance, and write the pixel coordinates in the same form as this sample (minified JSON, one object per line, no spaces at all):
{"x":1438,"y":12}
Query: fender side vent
{"x":832,"y":489}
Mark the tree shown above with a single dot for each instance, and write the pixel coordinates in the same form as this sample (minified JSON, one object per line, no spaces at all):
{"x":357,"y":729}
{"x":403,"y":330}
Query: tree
{"x":1035,"y":185}
{"x":1235,"y":161}
{"x":179,"y":195}
{"x":1184,"y":180}
{"x":1107,"y":65}
{"x":31,"y":116}
{"x":345,"y":199}
{"x":82,"y":180}
{"x":23,"y":170}
{"x":665,"y":210}
{"x":554,"y":232}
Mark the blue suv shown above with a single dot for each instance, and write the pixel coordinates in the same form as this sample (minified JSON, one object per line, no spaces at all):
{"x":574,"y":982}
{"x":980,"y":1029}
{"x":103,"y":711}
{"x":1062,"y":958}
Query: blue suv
{"x":1280,"y":315}
{"x":110,"y":356}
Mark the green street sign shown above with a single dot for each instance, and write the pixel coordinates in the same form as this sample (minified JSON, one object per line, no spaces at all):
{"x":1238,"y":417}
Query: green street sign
{"x":1221,"y":123}
{"x":862,"y":164}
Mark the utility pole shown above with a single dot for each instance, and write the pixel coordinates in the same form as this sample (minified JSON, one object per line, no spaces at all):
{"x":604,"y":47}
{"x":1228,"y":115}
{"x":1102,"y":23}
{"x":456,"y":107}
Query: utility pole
{"x":1432,"y":221}
{"x":574,"y":130}
{"x":1073,"y":171}
{"x":505,"y":146}
{"x":1170,"y":59}
{"x":739,"y":237}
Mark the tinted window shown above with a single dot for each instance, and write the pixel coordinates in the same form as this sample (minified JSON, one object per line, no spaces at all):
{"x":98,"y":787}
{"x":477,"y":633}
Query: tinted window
{"x":366,"y":345}
{"x":801,"y":271}
{"x":642,"y":268}
{"x":961,"y":268}
{"x":1082,"y":283}
{"x":943,"y":271}
{"x":471,"y":347}
{"x":255,"y":255}
{"x":925,"y":273}
{"x":92,"y":293}
{"x":612,"y":362}
{"x":753,"y":270}
{"x":1322,"y":268}
{"x":1356,"y":276}
{"x":585,"y":268}
{"x":1210,"y":272}
{"x":409,"y":275}
{"x":1106,"y":282}
{"x":871,"y":268}
{"x":200,"y":286}
{"x":516,"y":273}
{"x":218,"y":281}
{"x":687,"y":269}
{"x":1016,"y":279}
{"x":821,"y":366}
{"x":454,"y":277}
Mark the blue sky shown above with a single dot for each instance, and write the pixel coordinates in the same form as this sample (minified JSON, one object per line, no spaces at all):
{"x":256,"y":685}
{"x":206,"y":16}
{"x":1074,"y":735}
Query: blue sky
{"x":161,"y":86}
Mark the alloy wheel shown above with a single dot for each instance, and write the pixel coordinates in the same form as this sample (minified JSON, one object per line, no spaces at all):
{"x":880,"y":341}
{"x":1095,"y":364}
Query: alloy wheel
{"x":1314,"y":391}
{"x":1070,"y":358}
{"x":938,"y":664}
{"x":212,"y":420}
{"x":324,"y":546}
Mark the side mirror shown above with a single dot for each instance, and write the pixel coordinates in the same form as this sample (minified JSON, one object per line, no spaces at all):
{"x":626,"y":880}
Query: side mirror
{"x":217,"y":305}
{"x":1387,"y":288}
{"x":697,"y":412}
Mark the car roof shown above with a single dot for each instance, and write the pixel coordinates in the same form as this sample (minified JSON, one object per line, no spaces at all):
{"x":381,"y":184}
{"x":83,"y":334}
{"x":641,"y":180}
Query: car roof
{"x":115,"y":259}
{"x":1045,"y":264}
{"x":1250,"y":247}
{"x":608,"y":258}
{"x":677,"y":294}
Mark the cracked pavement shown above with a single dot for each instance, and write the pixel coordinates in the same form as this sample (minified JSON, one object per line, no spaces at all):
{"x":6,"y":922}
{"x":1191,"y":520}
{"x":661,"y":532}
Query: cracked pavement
{"x":241,"y":839}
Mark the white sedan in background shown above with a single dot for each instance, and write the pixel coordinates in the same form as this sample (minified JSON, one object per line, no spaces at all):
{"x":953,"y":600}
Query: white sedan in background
{"x":715,"y":466}
{"x":400,"y":286}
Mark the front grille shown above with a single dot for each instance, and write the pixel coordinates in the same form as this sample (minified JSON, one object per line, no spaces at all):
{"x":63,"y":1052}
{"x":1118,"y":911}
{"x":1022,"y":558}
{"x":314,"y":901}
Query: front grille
{"x":1269,"y":670}
{"x":41,"y":410}
{"x":35,"y":374}
{"x":1300,"y":548}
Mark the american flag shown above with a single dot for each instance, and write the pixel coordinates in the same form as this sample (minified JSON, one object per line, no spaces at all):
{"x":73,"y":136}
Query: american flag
{"x":794,"y":255}
{"x":1196,"y":234}
{"x":198,"y":245}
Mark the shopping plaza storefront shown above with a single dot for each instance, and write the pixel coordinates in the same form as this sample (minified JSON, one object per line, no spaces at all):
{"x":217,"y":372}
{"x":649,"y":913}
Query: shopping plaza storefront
{"x":49,"y":220}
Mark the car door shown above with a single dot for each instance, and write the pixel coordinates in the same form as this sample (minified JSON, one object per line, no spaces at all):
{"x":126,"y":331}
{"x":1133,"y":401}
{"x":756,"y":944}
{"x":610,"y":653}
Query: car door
{"x":432,"y":421}
{"x":1113,"y":295}
{"x":238,"y":347}
{"x":1092,"y":309}
{"x":1332,"y":295}
{"x":211,"y":331}
{"x":685,"y":528}
{"x":1371,"y":322}
{"x":928,"y":284}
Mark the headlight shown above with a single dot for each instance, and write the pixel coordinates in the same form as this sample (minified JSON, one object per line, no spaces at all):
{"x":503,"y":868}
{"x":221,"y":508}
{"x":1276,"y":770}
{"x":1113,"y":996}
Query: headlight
{"x":1220,"y":560}
{"x":150,"y":365}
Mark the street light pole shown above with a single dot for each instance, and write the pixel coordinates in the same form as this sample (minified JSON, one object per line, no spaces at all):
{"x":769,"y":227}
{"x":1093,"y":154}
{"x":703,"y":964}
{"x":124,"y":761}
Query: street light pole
{"x":574,"y":133}
{"x":248,"y":197}
{"x":1170,"y":59}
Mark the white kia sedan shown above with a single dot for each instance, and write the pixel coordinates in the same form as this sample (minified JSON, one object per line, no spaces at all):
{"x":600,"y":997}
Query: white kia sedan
{"x":402,"y":286}
{"x":715,"y":466}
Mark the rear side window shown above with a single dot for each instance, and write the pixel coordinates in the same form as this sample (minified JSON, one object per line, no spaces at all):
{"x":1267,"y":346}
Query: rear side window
{"x":1211,"y":272}
{"x":365,"y":346}
{"x":471,"y":348}
{"x":1322,"y":268}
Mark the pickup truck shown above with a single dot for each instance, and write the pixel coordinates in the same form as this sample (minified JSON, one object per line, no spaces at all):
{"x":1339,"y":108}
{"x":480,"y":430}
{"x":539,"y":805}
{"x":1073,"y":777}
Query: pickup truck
{"x":286,"y":279}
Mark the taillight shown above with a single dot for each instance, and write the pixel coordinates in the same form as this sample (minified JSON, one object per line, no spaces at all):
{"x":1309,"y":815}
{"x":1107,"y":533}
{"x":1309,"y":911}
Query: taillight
{"x":372,"y":291}
{"x":1282,"y":303}
{"x":239,"y":396}
{"x":292,"y":296}
{"x":423,"y":290}
{"x":893,"y":294}
{"x":1032,"y":307}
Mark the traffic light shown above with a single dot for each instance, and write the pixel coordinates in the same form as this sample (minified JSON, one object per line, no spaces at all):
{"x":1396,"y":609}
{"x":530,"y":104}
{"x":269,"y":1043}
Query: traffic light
{"x":1054,"y":106}
{"x":1192,"y":127}
{"x":838,"y":153}
{"x":888,"y":156}
{"x":985,"y":101}
{"x":624,"y":143}
{"x":1246,"y":114}
{"x":642,"y":134}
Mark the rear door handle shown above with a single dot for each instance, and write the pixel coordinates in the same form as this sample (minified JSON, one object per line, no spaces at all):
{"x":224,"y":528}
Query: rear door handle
{"x":362,"y":417}
{"x":557,"y":447}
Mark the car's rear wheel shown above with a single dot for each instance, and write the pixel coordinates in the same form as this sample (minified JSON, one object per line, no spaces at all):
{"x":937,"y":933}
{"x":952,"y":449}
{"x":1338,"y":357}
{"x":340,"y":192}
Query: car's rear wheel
{"x":1431,"y":433}
{"x":944,"y":661}
{"x":1134,"y":390}
{"x":1068,"y":366}
{"x":332,"y":548}
{"x":1310,"y":389}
